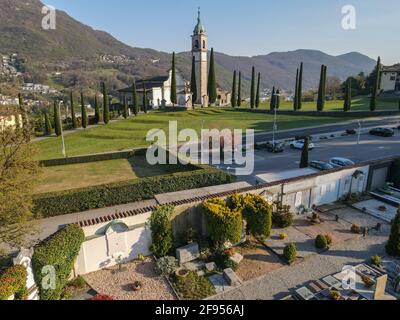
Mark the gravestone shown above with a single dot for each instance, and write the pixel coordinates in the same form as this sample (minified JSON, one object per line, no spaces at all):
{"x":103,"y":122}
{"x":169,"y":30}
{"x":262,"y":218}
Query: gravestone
{"x":237,"y":258}
{"x":24,"y":258}
{"x":380,"y":287}
{"x":188,"y":253}
{"x":231,"y":277}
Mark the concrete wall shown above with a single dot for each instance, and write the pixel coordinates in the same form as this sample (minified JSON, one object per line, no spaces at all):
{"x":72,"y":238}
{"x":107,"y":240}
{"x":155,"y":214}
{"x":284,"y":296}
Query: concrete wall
{"x":388,"y":80}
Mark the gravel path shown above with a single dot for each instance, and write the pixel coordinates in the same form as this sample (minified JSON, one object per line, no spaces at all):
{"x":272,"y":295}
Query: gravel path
{"x":277,"y":284}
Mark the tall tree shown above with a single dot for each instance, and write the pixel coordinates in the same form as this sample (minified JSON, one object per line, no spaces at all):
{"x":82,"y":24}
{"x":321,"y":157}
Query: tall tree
{"x":272,"y":102}
{"x":347,"y":97}
{"x":393,"y":245}
{"x":193,"y":82}
{"x":57,"y":119}
{"x":126,"y":112}
{"x":18,"y":174}
{"x":84,"y":112}
{"x":173,"y":82}
{"x":144,"y":97}
{"x":47,"y":125}
{"x":252,"y":88}
{"x":321,"y":91}
{"x":97,"y":115}
{"x":22,"y":114}
{"x":239,"y":100}
{"x":106,"y":106}
{"x":304,"y":154}
{"x":258,"y":91}
{"x":73,"y":115}
{"x":278,"y":99}
{"x":212,"y":82}
{"x":375,"y":88}
{"x":135,"y":102}
{"x":300,"y":88}
{"x":296,"y":92}
{"x":233,"y":96}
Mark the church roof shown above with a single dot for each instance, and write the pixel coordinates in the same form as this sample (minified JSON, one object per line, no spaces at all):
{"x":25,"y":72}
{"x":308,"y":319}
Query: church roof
{"x":394,"y":68}
{"x":150,"y":83}
{"x":199,"y":28}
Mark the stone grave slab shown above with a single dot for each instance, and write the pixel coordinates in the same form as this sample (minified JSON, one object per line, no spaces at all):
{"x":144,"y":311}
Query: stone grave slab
{"x":211,"y":266}
{"x":194,"y":265}
{"x":232,"y":278}
{"x":305,"y":293}
{"x":219,"y":283}
{"x":237,"y":258}
{"x":188,"y":253}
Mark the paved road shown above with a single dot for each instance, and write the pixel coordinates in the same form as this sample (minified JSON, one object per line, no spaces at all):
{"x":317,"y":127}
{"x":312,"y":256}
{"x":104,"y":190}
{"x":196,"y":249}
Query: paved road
{"x":370,"y":148}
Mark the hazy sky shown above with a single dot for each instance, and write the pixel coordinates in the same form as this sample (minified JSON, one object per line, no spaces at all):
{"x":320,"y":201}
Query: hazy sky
{"x":251,"y":27}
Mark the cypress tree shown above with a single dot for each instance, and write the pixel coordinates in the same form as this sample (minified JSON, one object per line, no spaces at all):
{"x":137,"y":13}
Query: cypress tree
{"x":144,"y":98}
{"x":57,"y":120}
{"x":212,"y":82}
{"x":258,"y":91}
{"x":252,"y":88}
{"x":320,"y":103}
{"x":126,"y":112}
{"x":106,"y":106}
{"x":233,"y":97}
{"x":173,"y":83}
{"x":296,"y":91}
{"x":22,"y":112}
{"x":393,"y":245}
{"x":304,"y":154}
{"x":47,"y":125}
{"x":193,"y":83}
{"x":272,"y":102}
{"x":135,"y":102}
{"x":324,"y":86}
{"x":278,"y":99}
{"x":239,"y":101}
{"x":347,"y":98}
{"x":97,"y":116}
{"x":300,"y":88}
{"x":376,"y":85}
{"x":73,"y":115}
{"x":84,"y":112}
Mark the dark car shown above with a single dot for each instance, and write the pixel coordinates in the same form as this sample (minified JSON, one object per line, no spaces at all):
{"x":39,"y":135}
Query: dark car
{"x":382,"y":132}
{"x":321,"y":165}
{"x":276,"y":147}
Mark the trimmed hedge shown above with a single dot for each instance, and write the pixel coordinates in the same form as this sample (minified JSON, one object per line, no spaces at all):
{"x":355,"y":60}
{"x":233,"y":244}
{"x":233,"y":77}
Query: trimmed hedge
{"x":13,"y":282}
{"x":161,"y":230}
{"x":258,"y":214}
{"x":290,"y":253}
{"x":60,"y":252}
{"x":223,"y":224}
{"x":107,"y":195}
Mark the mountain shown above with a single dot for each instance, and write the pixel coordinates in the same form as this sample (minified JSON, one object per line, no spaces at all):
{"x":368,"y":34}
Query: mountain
{"x":75,"y":55}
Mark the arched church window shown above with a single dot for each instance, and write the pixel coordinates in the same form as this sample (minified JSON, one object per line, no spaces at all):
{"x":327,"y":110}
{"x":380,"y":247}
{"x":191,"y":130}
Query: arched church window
{"x":197,"y":44}
{"x":204,"y":44}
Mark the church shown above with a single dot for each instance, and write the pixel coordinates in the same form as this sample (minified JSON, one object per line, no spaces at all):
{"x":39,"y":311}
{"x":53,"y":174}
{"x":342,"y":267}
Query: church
{"x":158,"y":89}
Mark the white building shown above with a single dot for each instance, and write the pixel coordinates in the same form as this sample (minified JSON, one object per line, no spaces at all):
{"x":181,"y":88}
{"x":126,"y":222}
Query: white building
{"x":390,"y":78}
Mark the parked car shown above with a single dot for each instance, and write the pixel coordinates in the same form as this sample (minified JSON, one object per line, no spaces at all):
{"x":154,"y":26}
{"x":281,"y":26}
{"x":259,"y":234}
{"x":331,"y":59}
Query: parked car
{"x":299,"y":144}
{"x":321,"y":165}
{"x":382,"y":132}
{"x":351,"y":131}
{"x":276,"y":147}
{"x":340,"y":162}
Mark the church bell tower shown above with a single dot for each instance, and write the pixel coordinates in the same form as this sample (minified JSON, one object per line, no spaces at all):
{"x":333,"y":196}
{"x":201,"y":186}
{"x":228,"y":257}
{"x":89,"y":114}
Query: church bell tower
{"x":200,"y":51}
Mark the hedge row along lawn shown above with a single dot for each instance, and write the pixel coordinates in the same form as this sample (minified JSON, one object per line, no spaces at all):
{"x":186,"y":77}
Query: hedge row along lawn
{"x":59,"y":251}
{"x":13,"y":282}
{"x":107,"y":195}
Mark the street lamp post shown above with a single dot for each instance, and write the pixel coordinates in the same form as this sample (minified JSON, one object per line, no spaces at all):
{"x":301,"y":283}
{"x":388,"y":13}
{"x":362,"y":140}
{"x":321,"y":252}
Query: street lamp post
{"x":62,"y":131}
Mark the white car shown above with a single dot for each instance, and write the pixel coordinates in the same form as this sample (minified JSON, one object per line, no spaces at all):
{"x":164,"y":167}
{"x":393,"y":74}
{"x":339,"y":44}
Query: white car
{"x":341,"y":162}
{"x":299,"y":144}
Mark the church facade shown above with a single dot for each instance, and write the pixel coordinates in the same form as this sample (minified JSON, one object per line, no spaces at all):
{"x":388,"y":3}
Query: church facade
{"x":158,"y":89}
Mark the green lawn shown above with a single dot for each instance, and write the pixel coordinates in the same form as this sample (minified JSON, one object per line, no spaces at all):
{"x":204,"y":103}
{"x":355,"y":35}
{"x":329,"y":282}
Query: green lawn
{"x":358,"y":104}
{"x":131,"y":133}
{"x":83,"y":175}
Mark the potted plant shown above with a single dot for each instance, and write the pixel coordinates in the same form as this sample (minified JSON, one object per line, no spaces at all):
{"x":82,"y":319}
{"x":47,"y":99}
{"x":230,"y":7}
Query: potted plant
{"x":137,"y":286}
{"x":367,"y":281}
{"x":334,"y":295}
{"x":283,"y":236}
{"x":356,"y":229}
{"x":182,"y":273}
{"x":141,"y":258}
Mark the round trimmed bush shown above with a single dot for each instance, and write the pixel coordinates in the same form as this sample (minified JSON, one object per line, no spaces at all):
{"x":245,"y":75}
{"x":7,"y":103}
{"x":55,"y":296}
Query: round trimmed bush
{"x":376,"y":261}
{"x":321,"y":242}
{"x":166,"y":265}
{"x":258,"y":214}
{"x":290,"y":253}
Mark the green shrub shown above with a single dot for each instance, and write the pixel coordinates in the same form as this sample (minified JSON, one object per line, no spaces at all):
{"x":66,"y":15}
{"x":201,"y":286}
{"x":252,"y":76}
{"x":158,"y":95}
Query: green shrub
{"x":321,"y":242}
{"x":223,"y":224}
{"x":258,"y":214}
{"x":290,"y":253}
{"x":222,"y":259}
{"x":194,"y":287}
{"x":13,"y":282}
{"x":166,"y":266}
{"x":101,"y":196}
{"x":393,"y":245}
{"x":161,"y":230}
{"x":376,"y":261}
{"x":59,"y":251}
{"x":78,"y":282}
{"x":282,"y":217}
